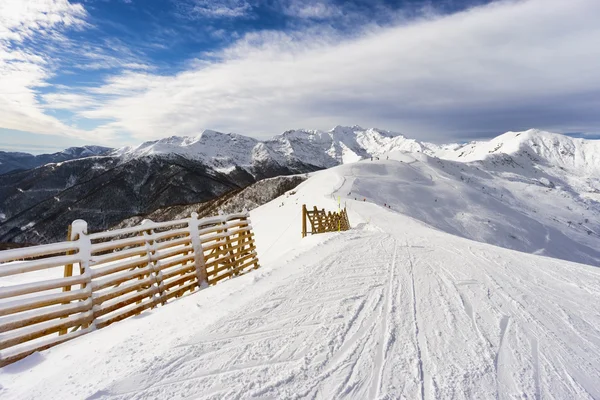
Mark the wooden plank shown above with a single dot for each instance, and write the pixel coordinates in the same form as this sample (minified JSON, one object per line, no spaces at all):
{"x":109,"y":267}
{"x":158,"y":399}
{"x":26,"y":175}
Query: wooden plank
{"x":176,"y":293}
{"x":99,"y":298}
{"x":119,"y":255}
{"x":116,"y":244}
{"x":172,"y":243}
{"x":34,"y":287}
{"x":148,"y":303}
{"x":178,"y":271}
{"x":36,"y":251}
{"x":218,"y":251}
{"x":44,"y":329}
{"x":230,"y":225}
{"x":134,"y":230}
{"x":233,"y":264}
{"x":218,"y":237}
{"x":117,"y":267}
{"x":161,"y":236}
{"x":20,"y":305}
{"x":36,"y":265}
{"x":126,"y":301}
{"x":34,"y":317}
{"x":171,"y":253}
{"x":120,"y":278}
{"x":180,"y":280}
{"x":162,"y":266}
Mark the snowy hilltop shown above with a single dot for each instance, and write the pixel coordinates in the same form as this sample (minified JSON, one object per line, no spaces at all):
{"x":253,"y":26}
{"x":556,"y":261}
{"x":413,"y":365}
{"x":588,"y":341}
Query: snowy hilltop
{"x":403,"y":305}
{"x":322,"y":149}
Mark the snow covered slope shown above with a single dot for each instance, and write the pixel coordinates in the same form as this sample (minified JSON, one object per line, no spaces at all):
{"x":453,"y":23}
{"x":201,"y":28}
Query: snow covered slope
{"x":390,"y":309}
{"x":312,"y":147}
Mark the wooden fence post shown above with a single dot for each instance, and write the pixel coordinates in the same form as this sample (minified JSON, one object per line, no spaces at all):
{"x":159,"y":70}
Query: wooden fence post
{"x":198,"y":251}
{"x":303,"y":220}
{"x":79,"y":230}
{"x":68,"y":272}
{"x":150,"y":246}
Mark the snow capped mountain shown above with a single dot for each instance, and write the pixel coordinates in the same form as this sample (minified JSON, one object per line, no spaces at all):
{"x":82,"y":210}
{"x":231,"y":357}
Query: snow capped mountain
{"x":320,"y":149}
{"x":222,"y":151}
{"x":185,"y":170}
{"x":547,"y":159}
{"x":14,"y":161}
{"x":340,"y":145}
{"x":576,"y":155}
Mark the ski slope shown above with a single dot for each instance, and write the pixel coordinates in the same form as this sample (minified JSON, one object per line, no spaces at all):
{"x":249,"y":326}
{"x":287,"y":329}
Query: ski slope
{"x":394,"y":308}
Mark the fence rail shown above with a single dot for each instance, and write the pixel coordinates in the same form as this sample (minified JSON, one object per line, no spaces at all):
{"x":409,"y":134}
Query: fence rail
{"x":119,"y":274}
{"x":323,"y":221}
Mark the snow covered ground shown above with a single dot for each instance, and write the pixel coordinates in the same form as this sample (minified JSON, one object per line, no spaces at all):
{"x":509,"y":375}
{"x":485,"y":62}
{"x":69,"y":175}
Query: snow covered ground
{"x":402,"y":306}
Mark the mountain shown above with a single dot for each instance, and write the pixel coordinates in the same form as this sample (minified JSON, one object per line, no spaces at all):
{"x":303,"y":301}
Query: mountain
{"x":319,"y":149}
{"x":521,"y":190}
{"x":11,"y":161}
{"x":234,"y":201}
{"x":36,"y":206}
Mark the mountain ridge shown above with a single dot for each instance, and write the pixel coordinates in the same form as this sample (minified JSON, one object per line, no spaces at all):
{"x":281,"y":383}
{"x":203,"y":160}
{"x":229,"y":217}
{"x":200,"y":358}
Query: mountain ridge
{"x":37,"y":205}
{"x":17,"y":161}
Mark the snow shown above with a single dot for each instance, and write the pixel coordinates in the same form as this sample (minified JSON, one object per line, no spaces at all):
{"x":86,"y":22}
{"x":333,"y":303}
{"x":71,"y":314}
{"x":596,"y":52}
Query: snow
{"x":29,"y":225}
{"x":404,"y":305}
{"x":225,"y":151}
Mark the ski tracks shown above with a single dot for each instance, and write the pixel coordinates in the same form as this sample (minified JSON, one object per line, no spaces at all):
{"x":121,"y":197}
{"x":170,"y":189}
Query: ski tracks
{"x":387,"y":337}
{"x":327,"y":334}
{"x":416,"y":323}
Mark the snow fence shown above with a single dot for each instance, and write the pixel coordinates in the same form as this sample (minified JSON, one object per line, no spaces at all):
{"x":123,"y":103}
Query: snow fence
{"x":322,"y":221}
{"x":120,"y":274}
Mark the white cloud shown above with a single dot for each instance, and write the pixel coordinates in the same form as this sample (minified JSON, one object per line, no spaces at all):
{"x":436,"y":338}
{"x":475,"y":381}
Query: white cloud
{"x":312,"y":9}
{"x":214,"y":8}
{"x":21,"y":19}
{"x":527,"y":63}
{"x":509,"y":65}
{"x":32,"y":48}
{"x":22,"y":70}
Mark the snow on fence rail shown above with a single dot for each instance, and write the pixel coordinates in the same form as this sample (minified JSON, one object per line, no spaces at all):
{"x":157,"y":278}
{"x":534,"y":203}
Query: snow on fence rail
{"x":121,"y":273}
{"x":322,"y":221}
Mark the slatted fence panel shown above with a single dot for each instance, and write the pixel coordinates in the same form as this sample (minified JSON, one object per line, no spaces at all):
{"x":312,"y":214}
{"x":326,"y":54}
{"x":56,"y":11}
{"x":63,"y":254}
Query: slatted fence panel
{"x":323,"y":221}
{"x":35,"y":308}
{"x":113,"y":275}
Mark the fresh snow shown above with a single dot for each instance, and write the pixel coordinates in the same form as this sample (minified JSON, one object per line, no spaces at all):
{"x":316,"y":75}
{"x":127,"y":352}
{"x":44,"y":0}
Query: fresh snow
{"x":321,"y":149}
{"x":401,"y":306}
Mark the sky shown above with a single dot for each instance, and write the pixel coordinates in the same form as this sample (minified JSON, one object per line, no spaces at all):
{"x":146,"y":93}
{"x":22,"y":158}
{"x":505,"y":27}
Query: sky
{"x":119,"y":72}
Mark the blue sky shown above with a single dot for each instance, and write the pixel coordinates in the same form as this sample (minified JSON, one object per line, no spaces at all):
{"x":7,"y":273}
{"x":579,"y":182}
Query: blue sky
{"x":118,"y":72}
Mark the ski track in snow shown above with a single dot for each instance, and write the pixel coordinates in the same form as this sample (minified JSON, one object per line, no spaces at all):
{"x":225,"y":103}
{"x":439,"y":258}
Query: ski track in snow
{"x":390,"y":309}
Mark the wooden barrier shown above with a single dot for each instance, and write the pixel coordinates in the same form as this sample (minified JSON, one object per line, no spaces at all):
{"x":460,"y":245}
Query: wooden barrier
{"x":120,"y":274}
{"x":322,"y":221}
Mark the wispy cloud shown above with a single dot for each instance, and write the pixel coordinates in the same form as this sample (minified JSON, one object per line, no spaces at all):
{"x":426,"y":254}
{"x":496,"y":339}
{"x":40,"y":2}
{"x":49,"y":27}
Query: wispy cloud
{"x":507,"y":65}
{"x":22,"y":70}
{"x":214,"y":8}
{"x":312,"y":9}
{"x":34,"y":47}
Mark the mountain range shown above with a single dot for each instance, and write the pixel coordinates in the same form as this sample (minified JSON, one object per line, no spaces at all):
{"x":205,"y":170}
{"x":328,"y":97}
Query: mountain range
{"x":16,"y":161}
{"x":527,"y":173}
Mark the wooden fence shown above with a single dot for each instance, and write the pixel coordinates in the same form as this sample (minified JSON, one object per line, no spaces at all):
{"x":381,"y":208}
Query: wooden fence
{"x":120,"y":274}
{"x":323,"y":221}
